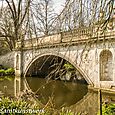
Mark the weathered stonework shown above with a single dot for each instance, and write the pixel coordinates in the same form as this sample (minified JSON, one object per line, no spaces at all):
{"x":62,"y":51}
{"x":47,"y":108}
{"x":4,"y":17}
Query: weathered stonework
{"x":83,"y":52}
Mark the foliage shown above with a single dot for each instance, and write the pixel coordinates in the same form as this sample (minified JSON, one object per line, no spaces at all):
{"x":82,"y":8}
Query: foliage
{"x":68,"y":66}
{"x":108,"y":109}
{"x":9,"y":71}
{"x":7,"y":104}
{"x":7,"y":74}
{"x":66,"y":112}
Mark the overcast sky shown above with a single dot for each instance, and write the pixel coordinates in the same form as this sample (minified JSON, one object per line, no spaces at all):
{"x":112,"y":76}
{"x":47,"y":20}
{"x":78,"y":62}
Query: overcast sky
{"x":58,"y":5}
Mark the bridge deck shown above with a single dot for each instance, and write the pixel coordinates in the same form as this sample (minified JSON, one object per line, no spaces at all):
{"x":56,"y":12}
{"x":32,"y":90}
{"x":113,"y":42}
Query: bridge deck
{"x":67,"y":38}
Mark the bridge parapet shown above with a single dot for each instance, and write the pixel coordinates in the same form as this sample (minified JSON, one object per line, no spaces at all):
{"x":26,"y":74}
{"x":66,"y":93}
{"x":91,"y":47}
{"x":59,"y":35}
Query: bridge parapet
{"x":40,"y":41}
{"x":62,"y":37}
{"x":77,"y":35}
{"x":52,"y":39}
{"x":103,"y":34}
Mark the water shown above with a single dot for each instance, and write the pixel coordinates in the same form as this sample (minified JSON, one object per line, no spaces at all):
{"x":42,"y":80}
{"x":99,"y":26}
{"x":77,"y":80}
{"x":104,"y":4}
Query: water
{"x":7,"y":87}
{"x":63,"y":93}
{"x":74,"y":96}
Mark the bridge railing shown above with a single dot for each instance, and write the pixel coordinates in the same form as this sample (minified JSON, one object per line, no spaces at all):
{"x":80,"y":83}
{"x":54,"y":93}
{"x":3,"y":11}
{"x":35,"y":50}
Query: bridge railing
{"x":41,"y":41}
{"x":100,"y":33}
{"x":75,"y":35}
{"x":69,"y":36}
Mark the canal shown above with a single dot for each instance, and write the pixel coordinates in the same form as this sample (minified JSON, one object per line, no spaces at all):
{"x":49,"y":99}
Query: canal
{"x":72,"y":95}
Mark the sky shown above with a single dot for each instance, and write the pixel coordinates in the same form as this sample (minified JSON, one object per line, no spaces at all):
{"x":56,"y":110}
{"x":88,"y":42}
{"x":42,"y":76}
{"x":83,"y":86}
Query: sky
{"x":58,"y":5}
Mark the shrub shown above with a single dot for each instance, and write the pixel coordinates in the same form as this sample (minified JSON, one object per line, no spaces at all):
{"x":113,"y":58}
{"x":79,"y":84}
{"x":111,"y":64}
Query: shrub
{"x":9,"y":71}
{"x":108,"y":109}
{"x":68,"y":66}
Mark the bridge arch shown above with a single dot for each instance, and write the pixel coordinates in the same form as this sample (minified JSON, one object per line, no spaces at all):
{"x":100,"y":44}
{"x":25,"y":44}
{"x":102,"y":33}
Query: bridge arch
{"x":78,"y":68}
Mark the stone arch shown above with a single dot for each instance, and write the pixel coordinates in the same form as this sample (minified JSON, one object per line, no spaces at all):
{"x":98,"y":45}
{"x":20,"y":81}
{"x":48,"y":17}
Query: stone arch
{"x":82,"y":72}
{"x":106,"y":71}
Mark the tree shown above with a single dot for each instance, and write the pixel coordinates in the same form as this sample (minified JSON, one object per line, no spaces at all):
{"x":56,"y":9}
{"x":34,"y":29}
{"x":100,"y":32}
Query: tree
{"x":25,"y":19}
{"x":79,"y":13}
{"x":13,"y":20}
{"x":44,"y":14}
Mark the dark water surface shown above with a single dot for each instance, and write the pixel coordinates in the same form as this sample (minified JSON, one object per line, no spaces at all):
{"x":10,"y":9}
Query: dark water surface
{"x":63,"y":93}
{"x":72,"y":95}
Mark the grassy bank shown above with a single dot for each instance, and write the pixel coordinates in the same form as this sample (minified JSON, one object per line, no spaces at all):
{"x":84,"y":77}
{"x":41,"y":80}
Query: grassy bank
{"x":28,"y":107}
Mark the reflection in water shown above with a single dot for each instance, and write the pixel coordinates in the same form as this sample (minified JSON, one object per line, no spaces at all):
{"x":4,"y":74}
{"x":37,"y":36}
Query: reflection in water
{"x":87,"y":106}
{"x":17,"y":86}
{"x":64,"y":93}
{"x":7,"y":87}
{"x":10,"y":87}
{"x":74,"y":95}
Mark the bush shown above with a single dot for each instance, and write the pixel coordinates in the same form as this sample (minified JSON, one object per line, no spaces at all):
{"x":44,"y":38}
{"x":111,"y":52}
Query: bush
{"x":108,"y":109}
{"x":68,"y":66}
{"x":9,"y":71}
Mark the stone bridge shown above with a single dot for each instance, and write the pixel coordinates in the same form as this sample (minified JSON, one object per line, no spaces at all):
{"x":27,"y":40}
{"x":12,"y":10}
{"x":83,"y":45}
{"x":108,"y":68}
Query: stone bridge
{"x":92,"y":53}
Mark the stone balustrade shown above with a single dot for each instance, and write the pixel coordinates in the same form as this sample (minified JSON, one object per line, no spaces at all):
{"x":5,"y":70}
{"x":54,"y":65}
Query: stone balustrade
{"x":75,"y":35}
